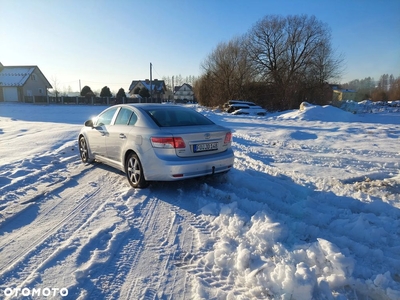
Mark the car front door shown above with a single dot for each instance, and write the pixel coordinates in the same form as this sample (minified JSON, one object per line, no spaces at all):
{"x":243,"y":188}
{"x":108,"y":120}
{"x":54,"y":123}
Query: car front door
{"x":99,"y":132}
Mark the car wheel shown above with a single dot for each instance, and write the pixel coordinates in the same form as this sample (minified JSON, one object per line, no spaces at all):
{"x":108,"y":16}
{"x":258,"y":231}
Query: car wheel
{"x":83,"y":150}
{"x":134,"y":172}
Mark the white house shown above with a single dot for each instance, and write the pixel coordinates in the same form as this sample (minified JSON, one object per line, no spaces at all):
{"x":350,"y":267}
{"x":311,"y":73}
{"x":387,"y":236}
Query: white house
{"x":183,"y":93}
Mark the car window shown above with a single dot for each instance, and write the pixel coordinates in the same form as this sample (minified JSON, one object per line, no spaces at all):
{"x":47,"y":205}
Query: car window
{"x":106,"y":117}
{"x":133,"y":119}
{"x":177,"y":117}
{"x":123,"y":117}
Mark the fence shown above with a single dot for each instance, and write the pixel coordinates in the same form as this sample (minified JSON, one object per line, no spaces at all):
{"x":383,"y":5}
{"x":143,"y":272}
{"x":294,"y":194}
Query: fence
{"x":86,"y":100}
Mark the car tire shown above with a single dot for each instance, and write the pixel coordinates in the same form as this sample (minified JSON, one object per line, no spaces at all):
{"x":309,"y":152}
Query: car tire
{"x":134,"y":171}
{"x":84,"y":150}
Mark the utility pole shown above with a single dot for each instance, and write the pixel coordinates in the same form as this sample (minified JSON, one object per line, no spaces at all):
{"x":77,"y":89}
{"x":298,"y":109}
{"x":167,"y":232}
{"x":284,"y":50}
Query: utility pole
{"x":151,"y":84}
{"x":173,"y":90}
{"x":80,"y":87}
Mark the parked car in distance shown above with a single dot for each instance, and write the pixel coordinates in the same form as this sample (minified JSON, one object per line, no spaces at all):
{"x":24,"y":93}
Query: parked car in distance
{"x":249,"y":103}
{"x":156,"y":142}
{"x":250,"y":111}
{"x":241,"y":107}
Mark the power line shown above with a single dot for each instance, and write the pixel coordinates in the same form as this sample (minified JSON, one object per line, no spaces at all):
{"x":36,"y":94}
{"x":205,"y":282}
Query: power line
{"x":106,"y":83}
{"x":155,"y":70}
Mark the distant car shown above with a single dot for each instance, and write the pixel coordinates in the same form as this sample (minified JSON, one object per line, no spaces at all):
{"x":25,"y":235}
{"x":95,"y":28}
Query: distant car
{"x":250,"y":111}
{"x":241,"y":107}
{"x":156,"y":142}
{"x":234,"y":107}
{"x":249,"y":103}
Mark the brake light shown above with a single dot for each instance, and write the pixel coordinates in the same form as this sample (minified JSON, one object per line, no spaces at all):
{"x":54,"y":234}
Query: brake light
{"x":168,"y":142}
{"x":228,"y":138}
{"x":179,"y":143}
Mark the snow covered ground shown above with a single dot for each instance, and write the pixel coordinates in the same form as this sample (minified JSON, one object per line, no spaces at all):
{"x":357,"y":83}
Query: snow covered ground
{"x":311,"y":210}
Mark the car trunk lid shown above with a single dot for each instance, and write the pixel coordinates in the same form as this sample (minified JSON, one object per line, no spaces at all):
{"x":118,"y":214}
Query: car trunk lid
{"x":200,"y":140}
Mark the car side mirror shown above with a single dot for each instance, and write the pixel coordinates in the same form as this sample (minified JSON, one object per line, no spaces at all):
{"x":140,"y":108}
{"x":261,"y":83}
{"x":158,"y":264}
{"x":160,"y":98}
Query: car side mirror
{"x":89,"y":123}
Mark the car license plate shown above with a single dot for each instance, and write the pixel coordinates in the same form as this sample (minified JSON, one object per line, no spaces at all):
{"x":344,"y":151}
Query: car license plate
{"x":205,"y":147}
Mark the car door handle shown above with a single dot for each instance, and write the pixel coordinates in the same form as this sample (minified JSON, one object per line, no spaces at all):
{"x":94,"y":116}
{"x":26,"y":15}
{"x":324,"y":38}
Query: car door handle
{"x":122,"y":136}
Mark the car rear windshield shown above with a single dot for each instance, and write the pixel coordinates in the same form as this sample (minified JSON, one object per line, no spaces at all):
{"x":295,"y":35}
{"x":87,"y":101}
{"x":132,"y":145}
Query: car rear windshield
{"x":177,"y":117}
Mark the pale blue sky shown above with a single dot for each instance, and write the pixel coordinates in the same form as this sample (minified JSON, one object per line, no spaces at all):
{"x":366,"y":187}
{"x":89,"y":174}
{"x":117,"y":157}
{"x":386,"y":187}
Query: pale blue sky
{"x":113,"y":42}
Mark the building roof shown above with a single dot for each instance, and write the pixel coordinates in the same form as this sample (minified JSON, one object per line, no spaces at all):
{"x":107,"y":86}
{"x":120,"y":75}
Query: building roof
{"x":14,"y":76}
{"x":157,"y":85}
{"x":178,"y":87}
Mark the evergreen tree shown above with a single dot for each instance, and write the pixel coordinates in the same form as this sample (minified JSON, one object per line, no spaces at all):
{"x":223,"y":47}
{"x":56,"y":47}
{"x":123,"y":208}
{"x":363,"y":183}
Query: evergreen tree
{"x":136,"y":91}
{"x":121,"y":94}
{"x":86,"y":91}
{"x":105,"y":92}
{"x":144,"y":93}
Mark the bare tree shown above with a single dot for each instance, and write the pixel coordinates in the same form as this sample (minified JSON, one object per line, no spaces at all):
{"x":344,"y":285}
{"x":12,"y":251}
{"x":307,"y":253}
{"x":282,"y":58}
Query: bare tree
{"x":387,"y":88}
{"x":394,"y":91}
{"x":203,"y":90}
{"x":178,"y":79}
{"x":168,"y":82}
{"x":55,"y":84}
{"x":292,"y":54}
{"x":227,"y":70}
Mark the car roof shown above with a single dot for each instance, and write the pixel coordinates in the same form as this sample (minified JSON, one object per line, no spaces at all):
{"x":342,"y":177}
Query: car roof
{"x":240,"y":102}
{"x":153,"y":105}
{"x":239,"y":105}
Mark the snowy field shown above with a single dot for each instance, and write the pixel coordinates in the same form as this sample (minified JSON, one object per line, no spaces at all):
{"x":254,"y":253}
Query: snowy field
{"x":311,"y":210}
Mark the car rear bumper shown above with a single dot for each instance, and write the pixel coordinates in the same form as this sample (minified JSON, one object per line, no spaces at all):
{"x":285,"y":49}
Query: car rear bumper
{"x":183,"y":168}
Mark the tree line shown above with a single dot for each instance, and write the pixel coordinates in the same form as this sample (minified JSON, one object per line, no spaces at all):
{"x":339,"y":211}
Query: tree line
{"x":278,"y":63}
{"x":104,"y":93}
{"x":387,"y":88}
{"x":177,"y":80}
{"x":170,"y":83}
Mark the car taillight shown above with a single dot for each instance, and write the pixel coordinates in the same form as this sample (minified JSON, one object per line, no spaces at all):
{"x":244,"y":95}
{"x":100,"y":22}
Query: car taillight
{"x":167,"y":142}
{"x":228,"y":138}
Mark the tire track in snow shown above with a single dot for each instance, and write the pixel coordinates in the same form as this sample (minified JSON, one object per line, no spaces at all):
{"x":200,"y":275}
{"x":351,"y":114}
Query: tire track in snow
{"x":158,"y":226}
{"x":166,"y":233}
{"x":194,"y":238}
{"x":32,"y":201}
{"x":126,"y":262}
{"x":53,"y":223}
{"x":137,"y":261}
{"x":145,"y":226}
{"x":33,"y":178}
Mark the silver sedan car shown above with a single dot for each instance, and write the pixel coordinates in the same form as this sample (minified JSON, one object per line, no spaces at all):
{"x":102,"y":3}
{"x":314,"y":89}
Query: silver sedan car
{"x":156,"y":142}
